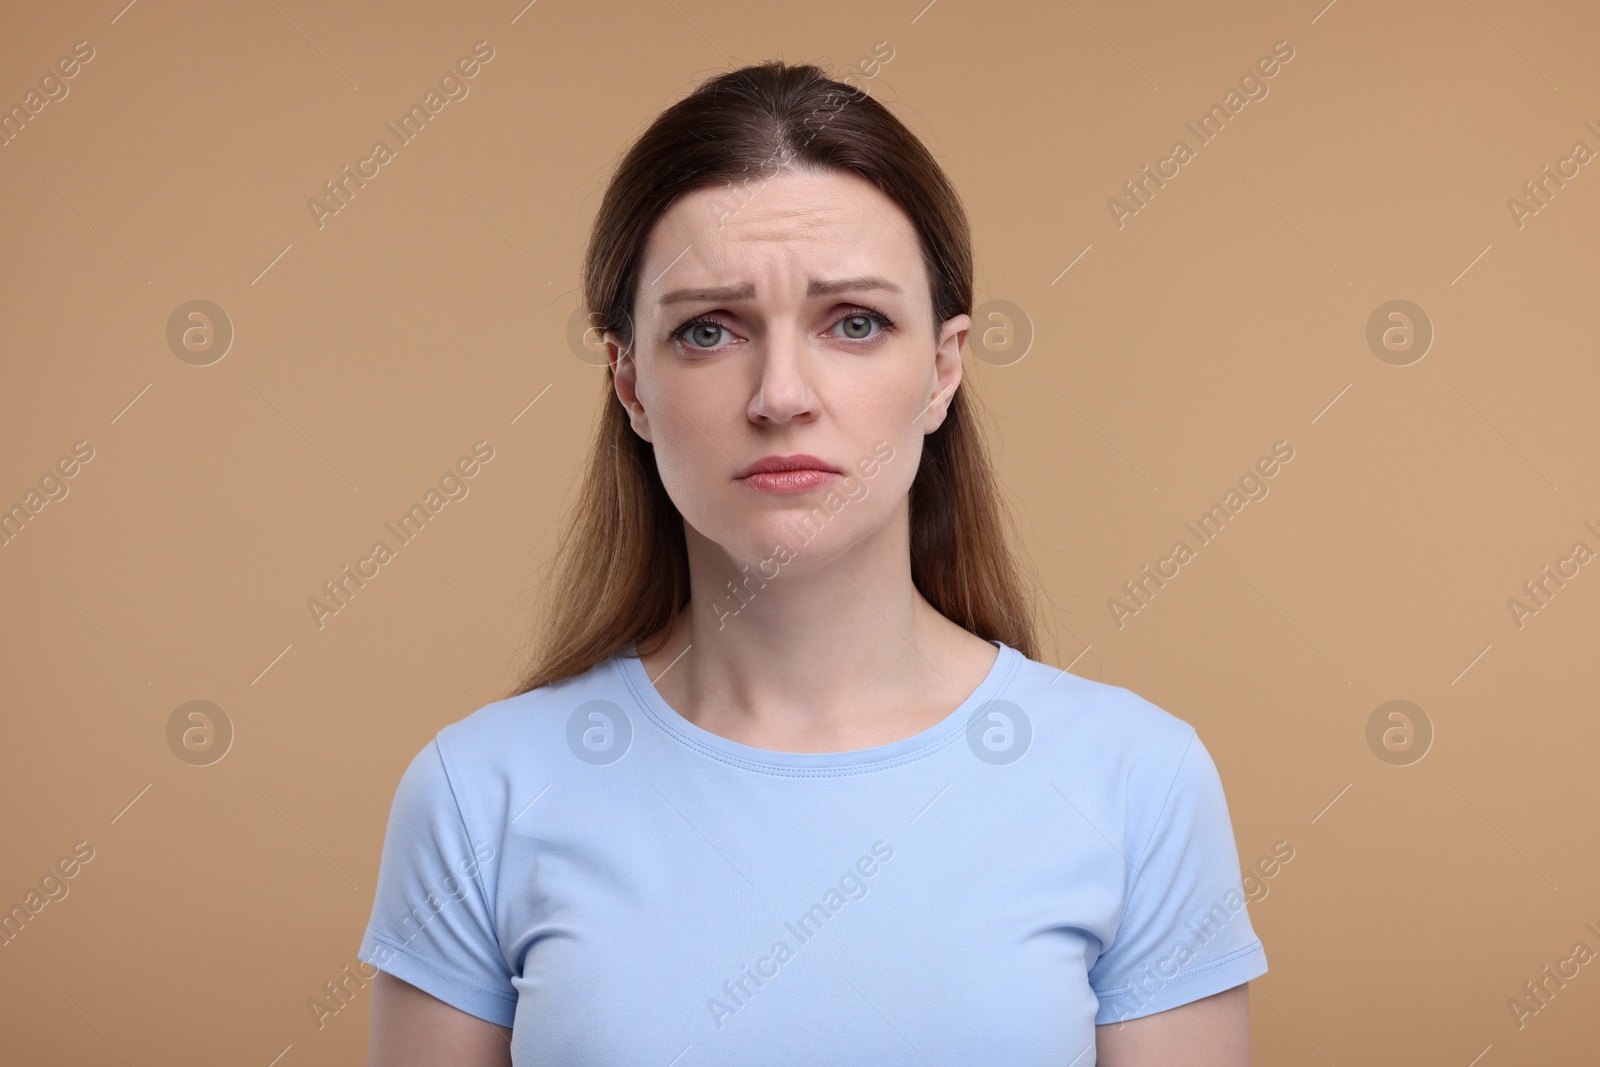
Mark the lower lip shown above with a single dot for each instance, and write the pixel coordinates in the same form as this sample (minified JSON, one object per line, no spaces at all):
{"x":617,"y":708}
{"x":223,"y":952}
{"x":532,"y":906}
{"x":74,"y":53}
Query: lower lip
{"x":789,"y":481}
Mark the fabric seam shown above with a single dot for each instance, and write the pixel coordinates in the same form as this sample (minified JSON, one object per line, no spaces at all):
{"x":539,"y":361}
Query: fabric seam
{"x":1138,"y":869}
{"x":1003,"y":683}
{"x":461,"y":817}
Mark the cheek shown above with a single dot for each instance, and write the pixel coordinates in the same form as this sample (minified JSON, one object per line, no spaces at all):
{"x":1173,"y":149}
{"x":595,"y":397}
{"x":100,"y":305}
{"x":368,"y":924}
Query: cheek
{"x":688,"y":458}
{"x":886,"y":422}
{"x":891,"y":481}
{"x":692,"y":438}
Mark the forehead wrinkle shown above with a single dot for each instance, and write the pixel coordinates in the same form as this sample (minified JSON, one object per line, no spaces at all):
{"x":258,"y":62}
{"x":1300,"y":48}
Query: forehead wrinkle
{"x":814,"y":234}
{"x":814,"y":287}
{"x":787,"y":224}
{"x":814,"y":228}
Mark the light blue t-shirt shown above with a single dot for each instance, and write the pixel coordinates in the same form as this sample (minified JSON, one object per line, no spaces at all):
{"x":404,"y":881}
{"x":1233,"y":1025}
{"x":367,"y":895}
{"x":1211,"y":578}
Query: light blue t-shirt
{"x":622,"y":887}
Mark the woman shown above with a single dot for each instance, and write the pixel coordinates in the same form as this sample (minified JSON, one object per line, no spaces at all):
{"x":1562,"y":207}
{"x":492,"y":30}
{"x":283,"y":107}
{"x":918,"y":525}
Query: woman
{"x":786,"y":785}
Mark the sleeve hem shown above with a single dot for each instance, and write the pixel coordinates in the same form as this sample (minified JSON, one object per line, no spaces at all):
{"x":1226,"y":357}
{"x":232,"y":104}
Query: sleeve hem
{"x":455,"y":989}
{"x":1231,"y":970}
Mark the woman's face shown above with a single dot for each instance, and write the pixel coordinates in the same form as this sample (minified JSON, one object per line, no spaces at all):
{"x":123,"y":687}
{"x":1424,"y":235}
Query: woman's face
{"x":799,"y":322}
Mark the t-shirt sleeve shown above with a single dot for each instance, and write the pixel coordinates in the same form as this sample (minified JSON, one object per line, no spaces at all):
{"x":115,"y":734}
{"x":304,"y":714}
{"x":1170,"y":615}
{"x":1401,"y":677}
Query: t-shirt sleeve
{"x":1185,"y":931}
{"x":431,"y":922}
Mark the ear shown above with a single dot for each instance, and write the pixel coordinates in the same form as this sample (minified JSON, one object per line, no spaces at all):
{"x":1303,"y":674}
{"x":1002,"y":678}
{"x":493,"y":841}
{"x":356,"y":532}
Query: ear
{"x":625,"y":380}
{"x":947,"y":370}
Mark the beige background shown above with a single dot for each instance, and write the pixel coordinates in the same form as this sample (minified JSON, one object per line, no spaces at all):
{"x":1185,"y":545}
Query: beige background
{"x":1229,"y":313}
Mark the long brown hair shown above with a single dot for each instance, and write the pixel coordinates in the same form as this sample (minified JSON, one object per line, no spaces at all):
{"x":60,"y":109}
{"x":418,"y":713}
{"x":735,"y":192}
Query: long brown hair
{"x":620,"y":572}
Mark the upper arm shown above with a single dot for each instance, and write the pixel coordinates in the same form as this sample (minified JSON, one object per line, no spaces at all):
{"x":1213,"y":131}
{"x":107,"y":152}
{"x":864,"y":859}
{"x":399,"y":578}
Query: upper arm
{"x":1213,"y":1031}
{"x":411,"y":1028}
{"x":1184,"y":933}
{"x":432,"y":933}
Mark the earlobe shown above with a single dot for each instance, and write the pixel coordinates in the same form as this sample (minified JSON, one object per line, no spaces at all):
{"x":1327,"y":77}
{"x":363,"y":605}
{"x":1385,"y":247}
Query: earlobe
{"x":938,"y":409}
{"x":947,"y":367}
{"x":624,"y":381}
{"x":636,"y":416}
{"x":640,"y":423}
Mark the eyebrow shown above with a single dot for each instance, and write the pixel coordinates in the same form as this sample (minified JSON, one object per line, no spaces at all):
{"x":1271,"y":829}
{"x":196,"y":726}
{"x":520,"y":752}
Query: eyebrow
{"x":747,"y":291}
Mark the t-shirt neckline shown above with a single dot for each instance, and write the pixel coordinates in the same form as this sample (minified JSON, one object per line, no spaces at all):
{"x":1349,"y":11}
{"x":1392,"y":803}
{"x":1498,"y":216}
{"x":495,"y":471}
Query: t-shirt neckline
{"x":858,"y":760}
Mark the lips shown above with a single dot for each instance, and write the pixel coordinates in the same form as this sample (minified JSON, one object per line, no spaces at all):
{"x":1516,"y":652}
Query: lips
{"x":777,"y":464}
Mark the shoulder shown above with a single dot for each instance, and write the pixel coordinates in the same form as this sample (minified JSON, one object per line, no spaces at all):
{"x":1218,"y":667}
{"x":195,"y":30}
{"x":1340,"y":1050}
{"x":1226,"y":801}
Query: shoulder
{"x":489,"y":758}
{"x":1111,"y":713}
{"x":1103,"y":730}
{"x":1138,"y":772}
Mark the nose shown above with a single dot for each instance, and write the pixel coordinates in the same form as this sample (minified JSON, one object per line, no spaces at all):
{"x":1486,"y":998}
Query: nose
{"x":783,"y":388}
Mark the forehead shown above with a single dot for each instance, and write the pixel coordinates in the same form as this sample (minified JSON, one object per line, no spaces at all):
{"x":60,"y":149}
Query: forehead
{"x":785,"y":231}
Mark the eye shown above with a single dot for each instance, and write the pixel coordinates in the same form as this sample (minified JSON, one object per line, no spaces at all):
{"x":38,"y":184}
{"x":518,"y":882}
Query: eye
{"x":702,"y":333}
{"x":859,"y":322}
